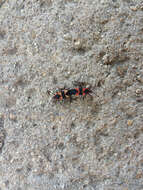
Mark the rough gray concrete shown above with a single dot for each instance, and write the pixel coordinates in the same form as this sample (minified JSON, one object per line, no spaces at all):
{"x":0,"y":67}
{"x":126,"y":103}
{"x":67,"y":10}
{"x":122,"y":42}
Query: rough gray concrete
{"x":91,"y":144}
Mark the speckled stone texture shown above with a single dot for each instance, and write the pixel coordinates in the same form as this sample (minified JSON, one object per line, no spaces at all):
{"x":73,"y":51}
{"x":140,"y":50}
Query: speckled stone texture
{"x":90,"y":144}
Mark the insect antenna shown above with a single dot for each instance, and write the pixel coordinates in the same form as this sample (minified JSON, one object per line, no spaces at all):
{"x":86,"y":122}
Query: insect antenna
{"x":50,"y":93}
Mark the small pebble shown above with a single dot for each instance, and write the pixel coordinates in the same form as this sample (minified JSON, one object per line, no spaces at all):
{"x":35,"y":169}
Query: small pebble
{"x":44,"y":74}
{"x":130,"y":122}
{"x":114,"y":121}
{"x":67,"y":37}
{"x":12,"y":117}
{"x":133,"y":8}
{"x":138,"y":91}
{"x":33,"y":34}
{"x":77,"y":44}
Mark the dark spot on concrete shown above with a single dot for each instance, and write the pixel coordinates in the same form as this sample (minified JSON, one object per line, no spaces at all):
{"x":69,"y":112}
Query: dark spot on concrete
{"x":6,"y":183}
{"x":28,"y":98}
{"x":20,"y":81}
{"x":18,"y":170}
{"x":72,"y":125}
{"x":54,"y":80}
{"x":121,"y":70}
{"x":10,"y":51}
{"x":10,"y":101}
{"x":29,"y":168}
{"x":2,"y":34}
{"x":61,"y":146}
{"x":45,"y":3}
{"x":2,"y":133}
{"x":1,"y":122}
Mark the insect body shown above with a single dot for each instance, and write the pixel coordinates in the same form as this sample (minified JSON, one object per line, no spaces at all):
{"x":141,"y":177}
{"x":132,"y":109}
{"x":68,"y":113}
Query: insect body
{"x":64,"y":94}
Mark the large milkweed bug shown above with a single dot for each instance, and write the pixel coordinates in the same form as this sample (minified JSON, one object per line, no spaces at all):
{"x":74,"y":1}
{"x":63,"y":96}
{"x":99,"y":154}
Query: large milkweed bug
{"x":64,"y":93}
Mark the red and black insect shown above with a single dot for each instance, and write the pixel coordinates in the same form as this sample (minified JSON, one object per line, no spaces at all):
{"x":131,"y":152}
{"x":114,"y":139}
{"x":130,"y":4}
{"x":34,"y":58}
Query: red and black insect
{"x":74,"y":92}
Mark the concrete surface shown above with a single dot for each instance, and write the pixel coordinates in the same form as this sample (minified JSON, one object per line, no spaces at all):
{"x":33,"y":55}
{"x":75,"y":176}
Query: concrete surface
{"x":90,"y":144}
